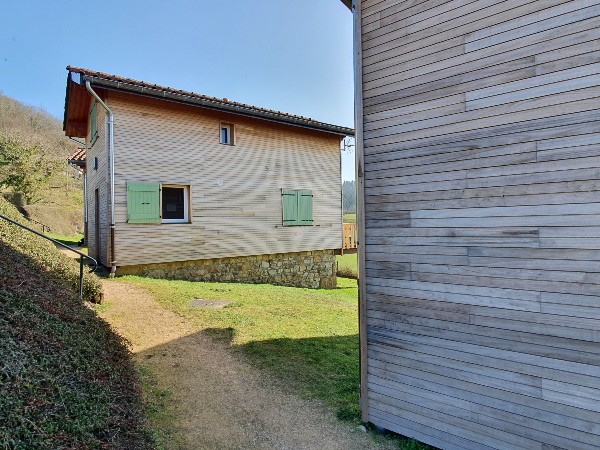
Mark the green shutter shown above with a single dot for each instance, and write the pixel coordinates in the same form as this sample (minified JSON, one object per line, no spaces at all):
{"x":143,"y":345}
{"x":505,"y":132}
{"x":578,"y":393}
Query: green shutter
{"x":93,"y":123}
{"x":290,"y":207}
{"x":143,"y":202}
{"x":297,"y":207}
{"x":305,"y":203}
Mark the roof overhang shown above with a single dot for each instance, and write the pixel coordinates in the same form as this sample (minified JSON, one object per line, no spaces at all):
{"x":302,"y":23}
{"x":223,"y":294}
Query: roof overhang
{"x":77,"y":103}
{"x":78,"y":100}
{"x":348,"y":3}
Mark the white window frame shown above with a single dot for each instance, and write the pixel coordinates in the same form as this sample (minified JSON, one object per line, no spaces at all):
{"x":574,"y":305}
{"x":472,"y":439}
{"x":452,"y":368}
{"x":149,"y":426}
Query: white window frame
{"x":186,"y":203}
{"x":230,"y":133}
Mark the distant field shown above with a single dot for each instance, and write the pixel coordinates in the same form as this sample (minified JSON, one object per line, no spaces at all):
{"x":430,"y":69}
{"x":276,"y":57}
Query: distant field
{"x":350,"y":218}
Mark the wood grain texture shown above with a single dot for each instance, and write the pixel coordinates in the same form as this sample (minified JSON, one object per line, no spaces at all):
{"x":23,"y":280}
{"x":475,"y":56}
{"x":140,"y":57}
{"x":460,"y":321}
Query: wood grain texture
{"x":98,"y":179}
{"x":481,"y":167}
{"x":360,"y":210}
{"x":236,"y":207}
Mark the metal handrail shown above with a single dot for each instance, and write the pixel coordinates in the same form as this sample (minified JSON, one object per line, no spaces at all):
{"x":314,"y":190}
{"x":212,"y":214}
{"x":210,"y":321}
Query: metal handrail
{"x":81,"y":255}
{"x":44,"y":226}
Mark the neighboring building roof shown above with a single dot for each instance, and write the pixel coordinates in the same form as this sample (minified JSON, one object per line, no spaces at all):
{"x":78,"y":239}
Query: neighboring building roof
{"x":77,"y":158}
{"x":113,"y":82}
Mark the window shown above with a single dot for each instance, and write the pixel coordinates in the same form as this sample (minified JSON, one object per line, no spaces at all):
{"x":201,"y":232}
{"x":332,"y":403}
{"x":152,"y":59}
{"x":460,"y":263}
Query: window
{"x":93,"y":124}
{"x":175,"y":204}
{"x":226,"y":136}
{"x":297,"y":207}
{"x":156,"y":203}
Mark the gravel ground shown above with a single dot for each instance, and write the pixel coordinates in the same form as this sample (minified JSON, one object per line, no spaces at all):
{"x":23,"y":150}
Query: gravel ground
{"x":220,"y":401}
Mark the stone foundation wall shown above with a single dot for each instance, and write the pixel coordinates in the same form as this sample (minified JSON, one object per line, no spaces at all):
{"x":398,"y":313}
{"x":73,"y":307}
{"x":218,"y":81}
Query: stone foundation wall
{"x":314,"y":269}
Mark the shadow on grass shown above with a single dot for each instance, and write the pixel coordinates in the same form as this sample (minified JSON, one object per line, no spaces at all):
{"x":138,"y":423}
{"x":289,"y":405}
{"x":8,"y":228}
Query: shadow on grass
{"x":324,"y":368}
{"x":74,"y":242}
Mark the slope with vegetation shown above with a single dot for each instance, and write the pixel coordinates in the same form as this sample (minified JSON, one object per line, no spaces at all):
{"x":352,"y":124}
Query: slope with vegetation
{"x":66,"y":380}
{"x":34,"y":175}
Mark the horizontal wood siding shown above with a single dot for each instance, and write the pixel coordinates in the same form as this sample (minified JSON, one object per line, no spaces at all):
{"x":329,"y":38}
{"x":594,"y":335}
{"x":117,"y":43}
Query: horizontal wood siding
{"x":481,"y":146}
{"x":98,"y":179}
{"x":236,"y":205}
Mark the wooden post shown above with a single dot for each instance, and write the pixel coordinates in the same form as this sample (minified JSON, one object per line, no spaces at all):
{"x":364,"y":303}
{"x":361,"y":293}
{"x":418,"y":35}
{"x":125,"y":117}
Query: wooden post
{"x":360,"y":209}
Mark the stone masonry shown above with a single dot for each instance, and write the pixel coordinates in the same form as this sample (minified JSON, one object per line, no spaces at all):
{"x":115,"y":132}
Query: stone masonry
{"x":313,"y":269}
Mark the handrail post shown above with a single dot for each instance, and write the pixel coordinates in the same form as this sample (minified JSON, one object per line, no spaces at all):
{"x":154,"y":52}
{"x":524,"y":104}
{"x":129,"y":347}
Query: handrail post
{"x":81,"y":255}
{"x":80,"y":278}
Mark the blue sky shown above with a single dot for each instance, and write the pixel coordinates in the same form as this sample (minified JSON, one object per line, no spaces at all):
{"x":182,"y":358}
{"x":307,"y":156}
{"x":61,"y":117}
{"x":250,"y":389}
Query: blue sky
{"x":286,"y":55}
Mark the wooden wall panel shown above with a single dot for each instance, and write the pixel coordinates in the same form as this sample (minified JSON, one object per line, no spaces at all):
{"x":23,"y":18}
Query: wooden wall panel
{"x":480,"y":125}
{"x":235,"y":190}
{"x":99,"y":179}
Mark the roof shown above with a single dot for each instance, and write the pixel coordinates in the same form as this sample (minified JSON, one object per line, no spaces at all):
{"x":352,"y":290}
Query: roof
{"x":77,"y":158}
{"x":348,"y":3}
{"x":75,"y":123}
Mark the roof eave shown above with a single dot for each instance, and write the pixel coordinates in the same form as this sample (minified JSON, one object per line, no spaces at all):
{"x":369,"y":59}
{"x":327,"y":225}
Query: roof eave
{"x":74,"y":123}
{"x":348,"y":4}
{"x":215,"y":105}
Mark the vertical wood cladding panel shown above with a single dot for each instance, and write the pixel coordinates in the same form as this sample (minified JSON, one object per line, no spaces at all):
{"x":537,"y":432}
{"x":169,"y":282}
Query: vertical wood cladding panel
{"x":481,"y":145}
{"x":235,"y":190}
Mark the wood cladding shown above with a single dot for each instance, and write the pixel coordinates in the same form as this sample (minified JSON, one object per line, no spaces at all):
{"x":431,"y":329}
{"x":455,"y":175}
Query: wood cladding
{"x":235,"y":190}
{"x":98,"y":179}
{"x":480,"y":156}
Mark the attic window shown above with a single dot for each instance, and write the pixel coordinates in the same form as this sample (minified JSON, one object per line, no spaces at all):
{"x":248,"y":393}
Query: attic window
{"x":226,"y":134}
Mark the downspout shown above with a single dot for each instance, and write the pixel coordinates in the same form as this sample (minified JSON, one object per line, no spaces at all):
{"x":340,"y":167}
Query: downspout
{"x":111,"y":158}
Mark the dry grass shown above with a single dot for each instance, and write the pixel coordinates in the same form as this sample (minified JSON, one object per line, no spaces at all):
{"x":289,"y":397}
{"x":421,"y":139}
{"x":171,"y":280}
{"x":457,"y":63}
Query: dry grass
{"x":61,"y":207}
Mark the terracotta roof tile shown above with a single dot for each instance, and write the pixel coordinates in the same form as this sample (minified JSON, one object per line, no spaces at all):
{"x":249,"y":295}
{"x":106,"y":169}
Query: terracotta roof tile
{"x":78,"y":157}
{"x":223,"y":104}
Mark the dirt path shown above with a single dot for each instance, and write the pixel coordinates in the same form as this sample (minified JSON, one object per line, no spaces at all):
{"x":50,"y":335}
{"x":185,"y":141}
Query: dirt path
{"x":220,"y":401}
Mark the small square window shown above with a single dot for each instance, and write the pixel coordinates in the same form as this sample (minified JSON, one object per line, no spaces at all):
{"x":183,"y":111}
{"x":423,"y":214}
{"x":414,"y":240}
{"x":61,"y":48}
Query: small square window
{"x":226,"y":134}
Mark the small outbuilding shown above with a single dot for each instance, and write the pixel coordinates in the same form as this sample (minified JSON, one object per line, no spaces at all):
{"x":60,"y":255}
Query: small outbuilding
{"x":182,"y":185}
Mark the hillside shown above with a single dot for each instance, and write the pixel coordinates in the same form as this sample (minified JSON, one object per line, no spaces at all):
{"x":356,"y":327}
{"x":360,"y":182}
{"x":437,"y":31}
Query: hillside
{"x":349,"y":196}
{"x":33,"y":145}
{"x":66,"y":379}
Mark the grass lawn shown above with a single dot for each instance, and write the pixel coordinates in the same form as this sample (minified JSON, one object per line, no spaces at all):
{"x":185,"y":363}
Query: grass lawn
{"x":72,"y":240}
{"x":350,"y":218}
{"x":347,"y":264}
{"x":306,"y":338}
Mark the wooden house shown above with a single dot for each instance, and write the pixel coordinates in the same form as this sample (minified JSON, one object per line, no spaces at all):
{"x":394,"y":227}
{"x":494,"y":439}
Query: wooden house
{"x":478,"y":169}
{"x":183,"y":185}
